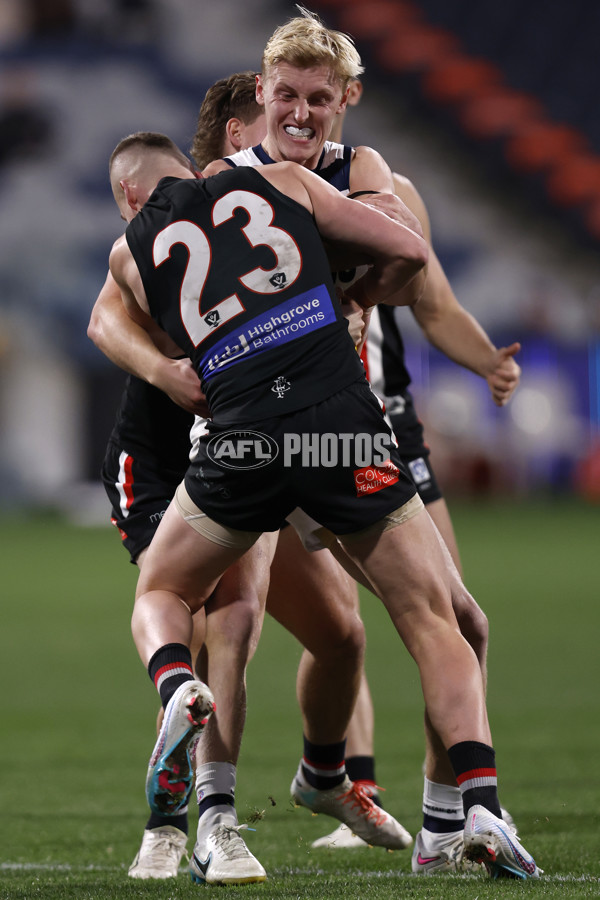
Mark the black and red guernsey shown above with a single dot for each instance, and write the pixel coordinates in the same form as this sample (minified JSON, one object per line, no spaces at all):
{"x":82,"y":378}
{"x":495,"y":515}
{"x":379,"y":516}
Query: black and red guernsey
{"x":235,"y":272}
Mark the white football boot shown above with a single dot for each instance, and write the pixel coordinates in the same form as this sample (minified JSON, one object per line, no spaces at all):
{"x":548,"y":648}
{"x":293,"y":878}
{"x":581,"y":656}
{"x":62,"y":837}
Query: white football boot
{"x":170,"y":771}
{"x":438,"y":854}
{"x":351,"y":804}
{"x":160,"y":854}
{"x":341,"y":838}
{"x":222,"y":857}
{"x":489,"y":840}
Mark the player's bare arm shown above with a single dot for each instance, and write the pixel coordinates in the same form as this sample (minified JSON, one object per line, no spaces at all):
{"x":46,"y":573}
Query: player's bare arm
{"x":370,"y":172}
{"x":176,"y":377}
{"x":396,"y":253}
{"x":448,"y":325}
{"x":139,"y":347}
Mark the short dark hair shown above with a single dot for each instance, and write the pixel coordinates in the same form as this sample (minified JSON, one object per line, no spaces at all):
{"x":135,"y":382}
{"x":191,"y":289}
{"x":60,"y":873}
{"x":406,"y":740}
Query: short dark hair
{"x":230,"y":97}
{"x":152,"y":140}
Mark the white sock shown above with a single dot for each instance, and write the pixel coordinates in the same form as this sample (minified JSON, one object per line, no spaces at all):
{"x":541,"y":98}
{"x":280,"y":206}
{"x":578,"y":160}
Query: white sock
{"x":213,"y":779}
{"x":443,"y":810}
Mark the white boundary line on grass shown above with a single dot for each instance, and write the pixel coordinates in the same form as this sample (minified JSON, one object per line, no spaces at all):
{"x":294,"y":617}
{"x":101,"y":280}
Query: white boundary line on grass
{"x":67,"y":867}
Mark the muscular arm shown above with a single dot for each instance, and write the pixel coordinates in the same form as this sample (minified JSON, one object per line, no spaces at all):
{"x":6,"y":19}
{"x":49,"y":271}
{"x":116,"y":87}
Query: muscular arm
{"x":396,"y":252}
{"x":136,"y":344}
{"x":448,"y":325}
{"x":370,"y":172}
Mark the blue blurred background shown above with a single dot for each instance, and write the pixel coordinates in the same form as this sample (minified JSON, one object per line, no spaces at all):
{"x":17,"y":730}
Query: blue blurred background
{"x":489,"y":108}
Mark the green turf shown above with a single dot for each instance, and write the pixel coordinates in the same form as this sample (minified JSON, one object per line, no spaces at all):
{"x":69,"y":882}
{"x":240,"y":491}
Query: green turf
{"x":78,"y":711}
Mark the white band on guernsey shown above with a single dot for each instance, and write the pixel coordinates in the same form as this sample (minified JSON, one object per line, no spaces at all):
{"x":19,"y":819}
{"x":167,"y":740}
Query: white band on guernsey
{"x":208,"y":528}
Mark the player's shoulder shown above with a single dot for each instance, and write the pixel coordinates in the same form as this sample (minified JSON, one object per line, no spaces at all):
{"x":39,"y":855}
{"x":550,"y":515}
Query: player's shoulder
{"x":119,"y":248}
{"x":214,"y":167}
{"x":362,"y":153}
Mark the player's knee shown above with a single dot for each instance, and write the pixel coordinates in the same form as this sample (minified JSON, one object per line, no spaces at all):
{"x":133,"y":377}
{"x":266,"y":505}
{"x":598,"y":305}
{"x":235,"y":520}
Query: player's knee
{"x":347,"y":640}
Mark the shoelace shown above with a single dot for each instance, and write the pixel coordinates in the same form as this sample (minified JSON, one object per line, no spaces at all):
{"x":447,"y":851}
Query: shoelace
{"x":359,"y":798}
{"x":164,"y":847}
{"x":228,"y":839}
{"x":455,"y":849}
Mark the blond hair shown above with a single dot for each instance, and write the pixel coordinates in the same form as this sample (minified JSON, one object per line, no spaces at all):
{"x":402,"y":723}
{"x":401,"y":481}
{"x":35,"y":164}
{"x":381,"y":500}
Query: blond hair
{"x":305,"y":41}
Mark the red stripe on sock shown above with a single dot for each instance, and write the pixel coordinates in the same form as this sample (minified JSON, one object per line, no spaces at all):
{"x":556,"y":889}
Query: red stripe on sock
{"x":168,"y":666}
{"x":476,"y":773}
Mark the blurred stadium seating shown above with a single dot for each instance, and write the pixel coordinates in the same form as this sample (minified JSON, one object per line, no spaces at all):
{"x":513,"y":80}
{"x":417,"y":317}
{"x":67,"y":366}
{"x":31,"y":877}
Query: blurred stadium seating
{"x":518,"y":80}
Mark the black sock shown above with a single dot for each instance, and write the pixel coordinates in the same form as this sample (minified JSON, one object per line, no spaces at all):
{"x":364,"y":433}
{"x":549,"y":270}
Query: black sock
{"x":169,"y":667}
{"x":474,"y":765}
{"x":156,"y":821}
{"x":323,"y":764}
{"x":362,"y":768}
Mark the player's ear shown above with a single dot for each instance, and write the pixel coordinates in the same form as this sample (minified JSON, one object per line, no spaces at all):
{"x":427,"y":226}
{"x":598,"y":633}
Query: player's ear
{"x":234,"y":130}
{"x":343,"y":101}
{"x":355,"y":90}
{"x":260,"y":90}
{"x":130,"y":194}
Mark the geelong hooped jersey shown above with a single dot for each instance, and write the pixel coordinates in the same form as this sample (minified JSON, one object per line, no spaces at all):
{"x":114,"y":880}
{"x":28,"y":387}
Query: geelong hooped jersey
{"x":235,"y":272}
{"x":383,"y":353}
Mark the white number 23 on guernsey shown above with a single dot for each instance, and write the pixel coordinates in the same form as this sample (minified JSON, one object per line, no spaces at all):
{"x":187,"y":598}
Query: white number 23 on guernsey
{"x":258,"y":231}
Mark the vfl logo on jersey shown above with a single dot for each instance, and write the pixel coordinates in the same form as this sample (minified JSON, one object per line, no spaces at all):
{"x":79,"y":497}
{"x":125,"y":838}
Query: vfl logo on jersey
{"x":280,"y":386}
{"x":278,"y":280}
{"x":371,"y":479}
{"x":419,"y":471}
{"x":242,"y":450}
{"x":212,"y":318}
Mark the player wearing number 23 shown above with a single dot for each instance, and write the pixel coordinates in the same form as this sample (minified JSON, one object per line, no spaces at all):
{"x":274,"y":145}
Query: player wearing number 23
{"x":235,"y":247}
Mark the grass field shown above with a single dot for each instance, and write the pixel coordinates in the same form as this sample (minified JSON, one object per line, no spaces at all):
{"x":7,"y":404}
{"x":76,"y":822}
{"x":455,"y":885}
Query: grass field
{"x":78,"y":712}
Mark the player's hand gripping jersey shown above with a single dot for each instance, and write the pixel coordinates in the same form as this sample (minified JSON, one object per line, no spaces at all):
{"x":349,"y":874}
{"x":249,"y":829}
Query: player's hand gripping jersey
{"x":255,"y":307}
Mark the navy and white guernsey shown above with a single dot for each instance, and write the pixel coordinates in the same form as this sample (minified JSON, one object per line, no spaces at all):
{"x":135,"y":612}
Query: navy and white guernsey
{"x":235,"y":272}
{"x":383,"y":354}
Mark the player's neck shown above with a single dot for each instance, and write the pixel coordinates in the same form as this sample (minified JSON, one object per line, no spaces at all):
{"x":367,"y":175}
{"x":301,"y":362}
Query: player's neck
{"x":272,"y":150}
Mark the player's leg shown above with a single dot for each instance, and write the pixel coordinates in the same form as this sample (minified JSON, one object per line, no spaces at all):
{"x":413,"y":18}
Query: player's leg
{"x":139,"y":483}
{"x":360,"y":766}
{"x":439,"y":843}
{"x":234,"y":619}
{"x":180,"y":572}
{"x":406,"y":566}
{"x":360,"y":757}
{"x":312,"y":597}
{"x":471,"y":619}
{"x":409,"y":554}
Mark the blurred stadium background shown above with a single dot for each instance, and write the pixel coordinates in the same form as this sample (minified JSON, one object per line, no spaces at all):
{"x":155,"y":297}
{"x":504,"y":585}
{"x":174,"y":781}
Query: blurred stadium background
{"x":489,"y":108}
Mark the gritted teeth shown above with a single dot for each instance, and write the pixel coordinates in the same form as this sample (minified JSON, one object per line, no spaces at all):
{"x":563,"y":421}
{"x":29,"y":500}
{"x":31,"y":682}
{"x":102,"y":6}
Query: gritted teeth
{"x":299,"y":132}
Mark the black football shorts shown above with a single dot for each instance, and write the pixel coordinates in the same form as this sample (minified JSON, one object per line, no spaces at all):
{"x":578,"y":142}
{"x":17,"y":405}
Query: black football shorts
{"x":336,"y":460}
